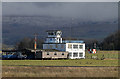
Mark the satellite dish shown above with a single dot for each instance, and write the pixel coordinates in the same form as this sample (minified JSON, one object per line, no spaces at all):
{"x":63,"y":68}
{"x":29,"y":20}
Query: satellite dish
{"x":59,"y":33}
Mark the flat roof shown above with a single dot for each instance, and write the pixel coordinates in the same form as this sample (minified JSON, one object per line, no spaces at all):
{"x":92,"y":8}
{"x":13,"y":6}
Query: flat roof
{"x":51,"y":50}
{"x":73,"y":41}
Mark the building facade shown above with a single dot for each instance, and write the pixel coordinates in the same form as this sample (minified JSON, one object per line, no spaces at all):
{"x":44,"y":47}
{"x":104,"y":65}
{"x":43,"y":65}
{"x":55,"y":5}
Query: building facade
{"x":75,"y":48}
{"x":51,"y":54}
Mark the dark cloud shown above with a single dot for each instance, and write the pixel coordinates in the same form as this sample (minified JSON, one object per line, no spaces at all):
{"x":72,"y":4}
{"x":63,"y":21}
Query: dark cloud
{"x":85,"y":11}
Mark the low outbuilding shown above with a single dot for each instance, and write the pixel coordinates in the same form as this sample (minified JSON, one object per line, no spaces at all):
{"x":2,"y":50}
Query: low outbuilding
{"x":51,"y":54}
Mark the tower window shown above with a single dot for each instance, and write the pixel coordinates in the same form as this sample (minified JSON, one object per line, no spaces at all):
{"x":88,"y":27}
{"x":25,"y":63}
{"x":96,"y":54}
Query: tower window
{"x":50,"y":33}
{"x":50,"y":39}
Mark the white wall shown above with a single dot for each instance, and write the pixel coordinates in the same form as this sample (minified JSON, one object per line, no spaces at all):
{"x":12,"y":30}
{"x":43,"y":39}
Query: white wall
{"x":78,"y":50}
{"x":64,"y":47}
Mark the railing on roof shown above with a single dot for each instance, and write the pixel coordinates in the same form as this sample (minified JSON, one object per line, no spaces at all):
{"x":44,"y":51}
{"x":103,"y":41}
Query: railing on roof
{"x":67,"y":41}
{"x":73,"y":41}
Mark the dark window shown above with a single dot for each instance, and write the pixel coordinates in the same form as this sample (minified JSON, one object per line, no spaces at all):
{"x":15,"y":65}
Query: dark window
{"x":47,"y":53}
{"x":50,"y":39}
{"x":75,"y":46}
{"x":56,"y":46}
{"x":81,"y":46}
{"x":69,"y":46}
{"x":55,"y":53}
{"x":51,"y":46}
{"x":62,"y":53}
{"x":62,"y":46}
{"x":81,"y":54}
{"x":75,"y":54}
{"x":70,"y":54}
{"x":50,"y":33}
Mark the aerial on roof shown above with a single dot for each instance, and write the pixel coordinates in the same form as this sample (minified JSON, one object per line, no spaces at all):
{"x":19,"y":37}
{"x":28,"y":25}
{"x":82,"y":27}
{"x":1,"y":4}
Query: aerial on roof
{"x":52,"y":30}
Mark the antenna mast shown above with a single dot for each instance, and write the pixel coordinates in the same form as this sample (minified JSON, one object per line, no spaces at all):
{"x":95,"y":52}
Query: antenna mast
{"x":35,"y":44}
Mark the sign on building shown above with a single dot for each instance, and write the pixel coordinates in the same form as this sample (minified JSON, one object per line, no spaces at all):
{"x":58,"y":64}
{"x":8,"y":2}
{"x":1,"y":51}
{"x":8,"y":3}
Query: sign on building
{"x":92,"y":51}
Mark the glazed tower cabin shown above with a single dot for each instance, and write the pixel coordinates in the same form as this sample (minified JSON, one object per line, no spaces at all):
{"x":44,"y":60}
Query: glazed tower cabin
{"x":54,"y":36}
{"x":75,"y":48}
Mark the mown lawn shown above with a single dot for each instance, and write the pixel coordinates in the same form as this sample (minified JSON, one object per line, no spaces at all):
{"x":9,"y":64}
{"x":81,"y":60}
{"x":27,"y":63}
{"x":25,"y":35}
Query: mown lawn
{"x":30,"y":68}
{"x":110,"y":59}
{"x":104,"y":54}
{"x":78,"y":62}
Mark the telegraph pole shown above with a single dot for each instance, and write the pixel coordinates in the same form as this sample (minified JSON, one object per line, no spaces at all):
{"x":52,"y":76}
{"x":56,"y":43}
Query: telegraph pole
{"x":35,"y":44}
{"x":71,"y":28}
{"x":95,"y":45}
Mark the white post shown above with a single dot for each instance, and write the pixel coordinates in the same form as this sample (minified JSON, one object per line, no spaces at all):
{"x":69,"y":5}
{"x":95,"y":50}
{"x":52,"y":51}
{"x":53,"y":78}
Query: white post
{"x":60,"y":40}
{"x":72,"y":55}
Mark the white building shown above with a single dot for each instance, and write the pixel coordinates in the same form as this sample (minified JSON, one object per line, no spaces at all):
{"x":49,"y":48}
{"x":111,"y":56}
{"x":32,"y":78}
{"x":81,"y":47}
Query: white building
{"x":75,"y":48}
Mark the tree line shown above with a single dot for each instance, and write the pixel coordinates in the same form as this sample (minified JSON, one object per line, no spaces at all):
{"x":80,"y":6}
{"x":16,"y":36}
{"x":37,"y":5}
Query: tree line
{"x":28,"y":43}
{"x":111,"y":42}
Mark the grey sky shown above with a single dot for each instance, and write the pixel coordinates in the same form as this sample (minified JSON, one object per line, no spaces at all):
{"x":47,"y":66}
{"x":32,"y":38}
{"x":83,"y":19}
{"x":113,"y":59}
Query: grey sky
{"x":84,"y":11}
{"x":60,"y":0}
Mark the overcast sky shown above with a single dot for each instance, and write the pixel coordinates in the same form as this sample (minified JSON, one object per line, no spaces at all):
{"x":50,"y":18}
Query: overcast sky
{"x":60,"y":0}
{"x":85,"y":11}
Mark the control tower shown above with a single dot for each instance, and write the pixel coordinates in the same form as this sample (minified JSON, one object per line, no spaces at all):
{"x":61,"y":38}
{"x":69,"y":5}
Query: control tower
{"x":75,"y":48}
{"x":54,"y":36}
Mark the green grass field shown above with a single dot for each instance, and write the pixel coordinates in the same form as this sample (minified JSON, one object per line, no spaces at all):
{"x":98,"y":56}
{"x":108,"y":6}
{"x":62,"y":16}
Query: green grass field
{"x":110,"y":59}
{"x":105,"y":54}
{"x":80,"y":62}
{"x":30,"y":68}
